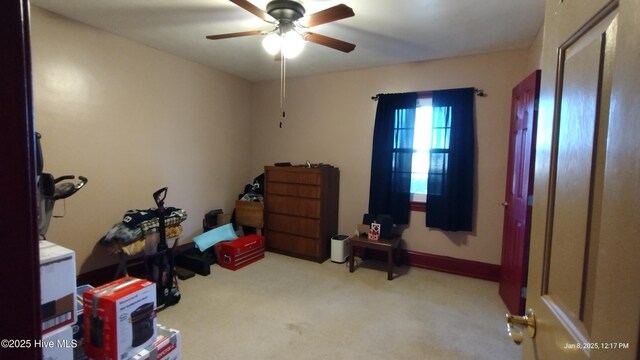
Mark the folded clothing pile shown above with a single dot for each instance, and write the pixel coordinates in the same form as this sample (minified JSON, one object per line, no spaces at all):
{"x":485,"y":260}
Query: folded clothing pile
{"x":130,"y":234}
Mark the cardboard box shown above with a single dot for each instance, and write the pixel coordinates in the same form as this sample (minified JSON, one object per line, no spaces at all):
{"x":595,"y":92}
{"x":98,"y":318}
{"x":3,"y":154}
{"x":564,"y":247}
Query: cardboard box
{"x":57,"y":286}
{"x":58,"y":344}
{"x":362,"y":229}
{"x":166,"y":346}
{"x":119,"y":318}
{"x":250,"y":213}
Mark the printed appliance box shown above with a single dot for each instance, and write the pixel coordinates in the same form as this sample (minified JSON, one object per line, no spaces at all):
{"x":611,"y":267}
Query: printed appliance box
{"x":241,"y":251}
{"x":119,"y":318}
{"x":58,"y":344}
{"x":166,"y":346}
{"x":57,"y":286}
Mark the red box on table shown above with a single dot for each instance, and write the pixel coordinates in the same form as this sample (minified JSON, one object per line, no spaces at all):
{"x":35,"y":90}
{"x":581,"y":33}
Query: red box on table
{"x":241,"y":251}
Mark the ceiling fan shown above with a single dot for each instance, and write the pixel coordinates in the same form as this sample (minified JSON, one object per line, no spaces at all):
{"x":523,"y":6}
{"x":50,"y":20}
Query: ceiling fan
{"x":291,"y":26}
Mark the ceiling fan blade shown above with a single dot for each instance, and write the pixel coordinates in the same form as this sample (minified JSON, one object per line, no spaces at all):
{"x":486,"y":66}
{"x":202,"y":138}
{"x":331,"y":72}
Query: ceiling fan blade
{"x":330,"y":42}
{"x":327,"y":15}
{"x":236,"y":34}
{"x":253,"y":9}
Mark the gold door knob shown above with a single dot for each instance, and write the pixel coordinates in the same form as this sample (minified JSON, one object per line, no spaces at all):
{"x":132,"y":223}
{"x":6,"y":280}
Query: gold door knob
{"x":516,"y":324}
{"x":504,"y":203}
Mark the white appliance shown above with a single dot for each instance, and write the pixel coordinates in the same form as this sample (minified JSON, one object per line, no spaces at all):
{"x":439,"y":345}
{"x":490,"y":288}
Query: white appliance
{"x":339,"y":248}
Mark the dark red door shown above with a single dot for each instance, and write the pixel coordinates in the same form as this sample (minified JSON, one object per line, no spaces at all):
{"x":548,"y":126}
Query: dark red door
{"x":518,"y":193}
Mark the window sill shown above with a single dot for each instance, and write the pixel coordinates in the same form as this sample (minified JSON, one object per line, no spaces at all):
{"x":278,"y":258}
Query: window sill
{"x":418,"y":206}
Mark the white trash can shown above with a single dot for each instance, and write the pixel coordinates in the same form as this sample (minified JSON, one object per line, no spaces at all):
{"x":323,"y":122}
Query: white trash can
{"x":339,"y":248}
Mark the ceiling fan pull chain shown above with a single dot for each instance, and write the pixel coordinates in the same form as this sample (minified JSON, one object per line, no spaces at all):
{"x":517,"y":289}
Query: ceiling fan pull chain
{"x":283,"y":76}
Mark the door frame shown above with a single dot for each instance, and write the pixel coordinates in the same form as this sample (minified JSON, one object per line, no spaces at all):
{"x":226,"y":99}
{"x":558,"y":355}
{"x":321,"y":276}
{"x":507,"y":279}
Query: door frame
{"x":20,"y":305}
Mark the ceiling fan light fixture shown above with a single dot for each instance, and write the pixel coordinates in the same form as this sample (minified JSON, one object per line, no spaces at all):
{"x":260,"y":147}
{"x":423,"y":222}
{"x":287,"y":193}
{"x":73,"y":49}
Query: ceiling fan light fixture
{"x":292,"y":44}
{"x":272,"y":43}
{"x":285,"y":15}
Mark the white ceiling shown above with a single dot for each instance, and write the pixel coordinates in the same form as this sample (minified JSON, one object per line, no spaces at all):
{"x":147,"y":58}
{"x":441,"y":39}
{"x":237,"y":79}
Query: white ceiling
{"x":385,"y":31}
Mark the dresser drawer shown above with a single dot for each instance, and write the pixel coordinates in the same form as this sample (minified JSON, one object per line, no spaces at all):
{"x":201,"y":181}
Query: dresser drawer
{"x":294,"y":225}
{"x":294,"y":206}
{"x":309,"y":191}
{"x":294,"y":176}
{"x":292,"y":244}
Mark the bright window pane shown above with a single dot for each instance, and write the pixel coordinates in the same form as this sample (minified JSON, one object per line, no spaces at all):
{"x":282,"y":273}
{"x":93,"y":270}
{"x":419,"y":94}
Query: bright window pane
{"x":421,"y":147}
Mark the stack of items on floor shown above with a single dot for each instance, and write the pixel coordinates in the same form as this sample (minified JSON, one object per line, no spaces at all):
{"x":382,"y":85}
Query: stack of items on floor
{"x":57,"y":299}
{"x":235,"y":252}
{"x":199,"y":258}
{"x":118,"y":321}
{"x":231,"y":252}
{"x":138,"y":230}
{"x":220,"y":243}
{"x":114,"y":321}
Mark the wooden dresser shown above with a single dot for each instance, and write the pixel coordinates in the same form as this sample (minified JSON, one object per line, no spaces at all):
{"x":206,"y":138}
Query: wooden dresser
{"x":301,"y":210}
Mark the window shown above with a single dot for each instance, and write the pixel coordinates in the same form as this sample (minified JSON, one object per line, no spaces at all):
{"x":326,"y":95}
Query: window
{"x":437,"y":163}
{"x":430,"y":151}
{"x":422,"y":140}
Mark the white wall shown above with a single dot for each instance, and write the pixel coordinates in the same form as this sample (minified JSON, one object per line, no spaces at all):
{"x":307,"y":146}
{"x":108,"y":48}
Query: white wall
{"x":329,"y":119}
{"x":535,"y":51}
{"x":132,"y":120}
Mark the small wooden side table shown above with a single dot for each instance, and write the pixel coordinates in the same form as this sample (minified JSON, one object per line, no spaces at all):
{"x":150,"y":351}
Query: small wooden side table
{"x":388,"y":245}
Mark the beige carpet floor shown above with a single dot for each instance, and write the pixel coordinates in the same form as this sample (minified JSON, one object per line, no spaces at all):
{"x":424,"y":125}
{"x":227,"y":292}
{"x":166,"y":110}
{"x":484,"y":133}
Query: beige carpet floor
{"x":286,"y":308}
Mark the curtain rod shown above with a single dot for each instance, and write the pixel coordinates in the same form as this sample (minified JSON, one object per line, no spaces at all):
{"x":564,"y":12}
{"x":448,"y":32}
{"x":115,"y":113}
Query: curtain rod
{"x":479,"y":92}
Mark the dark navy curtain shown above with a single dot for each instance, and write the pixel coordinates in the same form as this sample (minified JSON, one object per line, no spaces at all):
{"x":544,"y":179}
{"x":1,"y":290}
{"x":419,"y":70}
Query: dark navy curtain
{"x":452,"y":161}
{"x":389,"y":192}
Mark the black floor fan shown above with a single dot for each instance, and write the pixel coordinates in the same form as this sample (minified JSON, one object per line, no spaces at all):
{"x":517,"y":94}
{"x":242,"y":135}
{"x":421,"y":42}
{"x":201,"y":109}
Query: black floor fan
{"x":160,"y":265}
